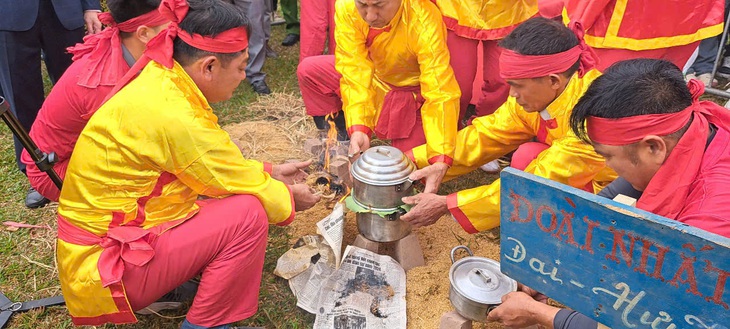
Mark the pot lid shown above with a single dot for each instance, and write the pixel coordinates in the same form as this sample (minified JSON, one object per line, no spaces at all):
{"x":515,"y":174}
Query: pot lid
{"x":480,"y":280}
{"x":381,"y":166}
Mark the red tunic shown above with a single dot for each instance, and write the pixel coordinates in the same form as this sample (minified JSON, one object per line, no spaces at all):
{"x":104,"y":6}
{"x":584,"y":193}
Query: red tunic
{"x":707,"y":205}
{"x":64,"y":115}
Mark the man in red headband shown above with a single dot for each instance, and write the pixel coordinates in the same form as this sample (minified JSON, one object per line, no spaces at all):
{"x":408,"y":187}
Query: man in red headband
{"x":548,"y":69}
{"x":663,"y":142}
{"x":654,"y":132}
{"x":390,"y":75}
{"x":99,"y":63}
{"x":131,"y":227}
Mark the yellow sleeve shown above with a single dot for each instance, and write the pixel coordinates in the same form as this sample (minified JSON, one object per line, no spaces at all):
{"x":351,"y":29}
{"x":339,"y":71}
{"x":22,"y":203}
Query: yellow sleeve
{"x":439,"y":88}
{"x":205,"y":159}
{"x":356,"y":68}
{"x":487,"y":138}
{"x":567,"y":160}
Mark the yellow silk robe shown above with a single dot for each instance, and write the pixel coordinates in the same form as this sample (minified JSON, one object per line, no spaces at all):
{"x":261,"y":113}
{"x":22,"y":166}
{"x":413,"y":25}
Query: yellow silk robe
{"x":485,"y":19}
{"x":157,"y":143}
{"x":567,"y":160}
{"x":412,"y":52}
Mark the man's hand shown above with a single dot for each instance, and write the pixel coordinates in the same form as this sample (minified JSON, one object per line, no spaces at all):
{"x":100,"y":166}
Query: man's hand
{"x":290,"y":173}
{"x":519,"y":310}
{"x":433,"y":175}
{"x":93,"y":24}
{"x":304,"y":197}
{"x":359,"y":142}
{"x":536,"y":295}
{"x":428,"y":208}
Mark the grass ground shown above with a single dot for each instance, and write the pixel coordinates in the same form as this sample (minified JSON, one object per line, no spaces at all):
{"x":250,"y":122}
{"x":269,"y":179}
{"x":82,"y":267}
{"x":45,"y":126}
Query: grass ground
{"x":27,"y":269}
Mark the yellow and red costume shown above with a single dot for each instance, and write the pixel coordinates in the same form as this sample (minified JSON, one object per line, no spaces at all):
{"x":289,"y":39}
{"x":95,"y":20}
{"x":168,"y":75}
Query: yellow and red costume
{"x":481,"y":23}
{"x":617,"y":29}
{"x":130,"y":226}
{"x":566,"y":159}
{"x":395,"y":81}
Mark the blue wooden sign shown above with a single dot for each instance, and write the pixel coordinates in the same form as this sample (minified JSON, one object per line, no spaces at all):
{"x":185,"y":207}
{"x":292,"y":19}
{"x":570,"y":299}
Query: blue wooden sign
{"x":624,"y":267}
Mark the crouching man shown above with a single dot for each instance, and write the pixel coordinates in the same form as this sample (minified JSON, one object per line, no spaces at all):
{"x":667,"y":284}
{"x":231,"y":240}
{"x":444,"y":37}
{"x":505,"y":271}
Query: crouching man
{"x":130,"y":225}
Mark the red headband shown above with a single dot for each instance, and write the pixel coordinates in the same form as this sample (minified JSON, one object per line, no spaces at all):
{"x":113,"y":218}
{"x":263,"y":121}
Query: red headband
{"x":513,"y":65}
{"x":628,"y":130}
{"x":160,"y":47}
{"x":104,"y":52}
{"x":153,"y":18}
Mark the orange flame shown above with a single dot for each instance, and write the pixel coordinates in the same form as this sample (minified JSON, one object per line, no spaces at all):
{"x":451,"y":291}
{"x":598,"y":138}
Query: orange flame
{"x":331,"y":143}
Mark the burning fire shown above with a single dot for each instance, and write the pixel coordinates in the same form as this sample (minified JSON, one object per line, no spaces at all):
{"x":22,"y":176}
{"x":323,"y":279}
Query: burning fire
{"x":331,"y":143}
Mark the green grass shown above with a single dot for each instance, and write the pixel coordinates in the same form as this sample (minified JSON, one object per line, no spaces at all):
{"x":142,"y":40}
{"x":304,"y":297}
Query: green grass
{"x":27,"y":269}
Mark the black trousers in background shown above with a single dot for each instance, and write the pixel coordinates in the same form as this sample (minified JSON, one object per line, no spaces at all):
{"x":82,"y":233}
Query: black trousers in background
{"x":20,"y":64}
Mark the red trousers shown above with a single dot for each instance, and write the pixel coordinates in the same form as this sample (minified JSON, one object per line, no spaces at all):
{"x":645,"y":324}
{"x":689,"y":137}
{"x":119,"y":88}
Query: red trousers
{"x":465,"y":60}
{"x":226,"y":242}
{"x":317,"y":24}
{"x":319,"y":83}
{"x":40,"y":181}
{"x":678,"y":55}
{"x":526,"y":153}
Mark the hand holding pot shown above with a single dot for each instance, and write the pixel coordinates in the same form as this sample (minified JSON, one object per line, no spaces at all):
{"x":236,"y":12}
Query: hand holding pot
{"x":290,"y":173}
{"x":428,"y":208}
{"x":433,"y":175}
{"x":304,"y":197}
{"x":359,"y":142}
{"x":519,"y":310}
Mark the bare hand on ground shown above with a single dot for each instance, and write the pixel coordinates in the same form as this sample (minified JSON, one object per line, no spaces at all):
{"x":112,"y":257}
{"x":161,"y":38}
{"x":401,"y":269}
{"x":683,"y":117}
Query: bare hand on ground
{"x":433,"y":175}
{"x":91,"y":19}
{"x":519,"y":310}
{"x":428,"y":208}
{"x":304,"y":197}
{"x":359,"y":142}
{"x":290,"y":173}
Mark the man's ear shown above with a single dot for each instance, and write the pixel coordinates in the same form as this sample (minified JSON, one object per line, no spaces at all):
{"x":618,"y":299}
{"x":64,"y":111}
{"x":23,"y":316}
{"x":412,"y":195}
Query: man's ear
{"x":657,"y":148}
{"x":144,"y":33}
{"x":556,"y":81}
{"x":208,"y":67}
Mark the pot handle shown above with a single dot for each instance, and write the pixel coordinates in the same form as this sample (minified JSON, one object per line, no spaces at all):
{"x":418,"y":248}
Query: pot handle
{"x":405,"y":185}
{"x":453,"y":252}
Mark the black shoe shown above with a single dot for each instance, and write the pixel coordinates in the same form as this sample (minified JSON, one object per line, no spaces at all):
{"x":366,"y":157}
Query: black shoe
{"x":290,"y":40}
{"x":260,"y":87}
{"x":34,"y":199}
{"x":174,"y":299}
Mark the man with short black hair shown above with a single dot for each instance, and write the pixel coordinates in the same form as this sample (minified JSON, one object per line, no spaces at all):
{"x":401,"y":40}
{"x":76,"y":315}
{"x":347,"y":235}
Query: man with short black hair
{"x":98,"y":65}
{"x":548,"y":68}
{"x":131,"y":227}
{"x":390,"y":76}
{"x":653,"y":130}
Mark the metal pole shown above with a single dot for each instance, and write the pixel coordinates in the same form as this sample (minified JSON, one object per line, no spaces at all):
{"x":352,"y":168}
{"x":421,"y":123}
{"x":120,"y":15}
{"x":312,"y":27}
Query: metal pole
{"x":43,"y":160}
{"x":723,"y":39}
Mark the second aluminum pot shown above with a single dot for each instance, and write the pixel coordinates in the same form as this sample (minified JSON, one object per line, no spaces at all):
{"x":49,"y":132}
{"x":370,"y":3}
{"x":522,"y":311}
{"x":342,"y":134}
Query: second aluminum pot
{"x":380,"y":177}
{"x":477,"y":285}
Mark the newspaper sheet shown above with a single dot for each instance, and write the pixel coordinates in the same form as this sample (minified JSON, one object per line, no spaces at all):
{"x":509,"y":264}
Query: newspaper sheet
{"x":368,"y":291}
{"x":332,"y":228}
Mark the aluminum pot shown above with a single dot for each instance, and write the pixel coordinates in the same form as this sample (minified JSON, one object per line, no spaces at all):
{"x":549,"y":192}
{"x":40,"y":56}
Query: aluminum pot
{"x":377,"y":228}
{"x":380,"y":177}
{"x":477,"y":285}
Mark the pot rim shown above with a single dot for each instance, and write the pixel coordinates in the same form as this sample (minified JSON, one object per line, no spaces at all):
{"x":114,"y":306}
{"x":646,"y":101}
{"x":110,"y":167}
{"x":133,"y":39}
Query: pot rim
{"x":378,"y":183}
{"x":373,"y":209}
{"x":454,"y":266}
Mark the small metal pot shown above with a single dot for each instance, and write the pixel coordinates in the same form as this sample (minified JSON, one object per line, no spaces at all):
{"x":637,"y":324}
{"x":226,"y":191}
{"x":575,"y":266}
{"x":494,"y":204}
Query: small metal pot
{"x":477,"y":285}
{"x":380,"y":177}
{"x":383,"y":229}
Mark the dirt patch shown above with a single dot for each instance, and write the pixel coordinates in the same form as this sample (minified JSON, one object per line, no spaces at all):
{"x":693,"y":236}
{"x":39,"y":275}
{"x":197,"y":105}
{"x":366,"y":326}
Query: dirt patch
{"x":427,"y":287}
